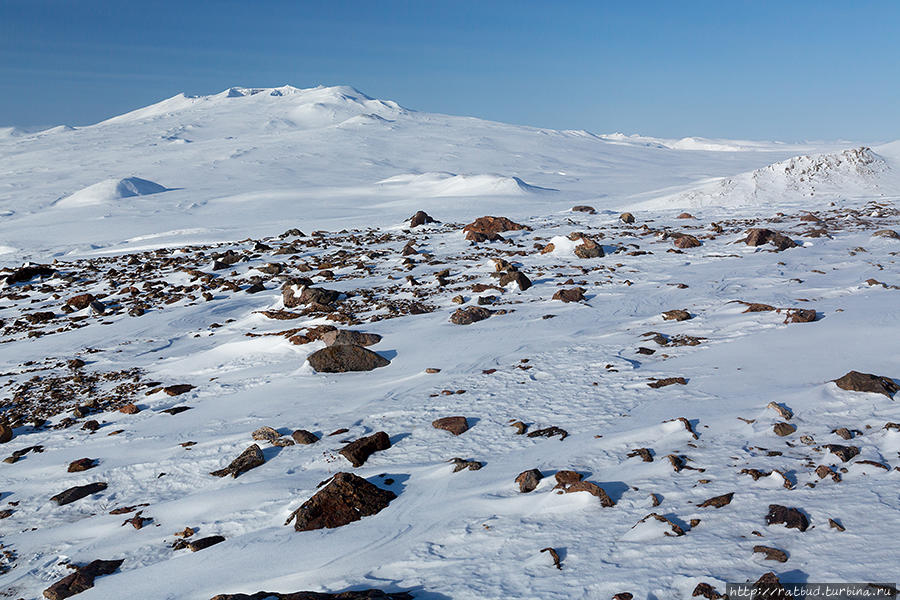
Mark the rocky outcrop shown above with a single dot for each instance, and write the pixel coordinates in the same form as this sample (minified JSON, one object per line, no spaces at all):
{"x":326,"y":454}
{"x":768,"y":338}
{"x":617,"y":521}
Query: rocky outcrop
{"x":344,"y":499}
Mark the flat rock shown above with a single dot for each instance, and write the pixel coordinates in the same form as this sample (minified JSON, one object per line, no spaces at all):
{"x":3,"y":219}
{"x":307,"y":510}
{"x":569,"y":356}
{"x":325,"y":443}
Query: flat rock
{"x":676,"y":315}
{"x":358,"y":451}
{"x":455,"y":425}
{"x":570,"y":295}
{"x":771,"y":553}
{"x":717,"y":501}
{"x":206,"y":542}
{"x":78,"y":492}
{"x":344,"y":499}
{"x":343,"y":358}
{"x":348,"y":336}
{"x":472,"y":314}
{"x":760,"y":236}
{"x":302,"y":436}
{"x":784,"y":429}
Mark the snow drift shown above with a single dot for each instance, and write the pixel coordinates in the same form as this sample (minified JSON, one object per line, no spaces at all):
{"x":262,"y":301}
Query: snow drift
{"x":436,"y":185}
{"x":111,"y":190}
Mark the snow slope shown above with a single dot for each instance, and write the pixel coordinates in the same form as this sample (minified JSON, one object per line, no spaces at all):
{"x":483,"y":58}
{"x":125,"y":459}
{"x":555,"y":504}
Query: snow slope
{"x":244,"y":167}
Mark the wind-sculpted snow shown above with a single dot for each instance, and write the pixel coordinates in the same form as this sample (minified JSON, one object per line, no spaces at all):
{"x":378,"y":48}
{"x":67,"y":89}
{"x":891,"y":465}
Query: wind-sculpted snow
{"x":111,"y":190}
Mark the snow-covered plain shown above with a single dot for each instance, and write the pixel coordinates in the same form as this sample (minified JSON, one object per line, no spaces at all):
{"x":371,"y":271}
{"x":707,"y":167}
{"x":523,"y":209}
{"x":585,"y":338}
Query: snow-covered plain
{"x":188,"y":177}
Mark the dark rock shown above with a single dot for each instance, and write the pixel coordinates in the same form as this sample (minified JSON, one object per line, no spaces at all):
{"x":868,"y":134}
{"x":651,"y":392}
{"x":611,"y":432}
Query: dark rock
{"x":845,"y":453}
{"x":80,"y":301}
{"x":250,"y":458}
{"x":646,"y":351}
{"x":472,"y":314}
{"x":659,"y":383}
{"x":789,"y":517}
{"x":205,"y":542}
{"x":570,"y":295}
{"x":344,"y":358}
{"x":460,"y":464}
{"x":550,"y":432}
{"x":528,"y":480}
{"x":344,"y":499}
{"x":455,"y":425}
{"x":704,"y":590}
{"x":855,"y":381}
{"x":300,"y":294}
{"x":420,"y":218}
{"x":357,"y":452}
{"x":82,"y":579}
{"x":176,"y":410}
{"x":6,"y":433}
{"x":348,"y":336}
{"x":588,"y":248}
{"x":626,"y":217}
{"x":644,"y":453}
{"x":29,"y":272}
{"x":683,"y":240}
{"x":302,"y":436}
{"x":717,"y":501}
{"x":585,"y":209}
{"x":91,"y":425}
{"x":177,"y":390}
{"x":759,"y":237}
{"x":492,"y":225}
{"x":768,"y":586}
{"x":78,"y":492}
{"x":771,"y":553}
{"x":515,"y":276}
{"x":800,"y":315}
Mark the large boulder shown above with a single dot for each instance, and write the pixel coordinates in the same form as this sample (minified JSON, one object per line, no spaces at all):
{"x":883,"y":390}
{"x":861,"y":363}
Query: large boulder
{"x":82,"y":579}
{"x":348,"y":336}
{"x":854,"y":381}
{"x":342,"y":358}
{"x":344,"y":499}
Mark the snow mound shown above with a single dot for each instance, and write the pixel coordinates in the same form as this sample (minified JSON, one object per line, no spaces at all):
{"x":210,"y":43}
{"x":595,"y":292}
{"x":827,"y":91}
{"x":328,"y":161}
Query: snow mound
{"x":850,"y":172}
{"x":310,"y":108}
{"x":111,"y":190}
{"x":436,"y":185}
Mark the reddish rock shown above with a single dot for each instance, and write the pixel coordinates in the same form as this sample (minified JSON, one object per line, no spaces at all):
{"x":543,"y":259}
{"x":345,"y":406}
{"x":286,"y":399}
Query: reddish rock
{"x":250,"y":458}
{"x":455,"y":425}
{"x":626,"y":217}
{"x":493,"y":225}
{"x":717,"y":501}
{"x":299,"y":293}
{"x":177,"y":390}
{"x":358,"y":451}
{"x":344,"y":499}
{"x":784,"y":429}
{"x":302,"y":436}
{"x":854,"y":381}
{"x":420,"y":218}
{"x":771,"y":553}
{"x":80,"y":301}
{"x":845,"y":453}
{"x":570,"y":295}
{"x":659,"y":383}
{"x":6,"y":433}
{"x":759,"y":237}
{"x":789,"y":517}
{"x":683,"y":240}
{"x":676,"y":315}
{"x":704,"y":590}
{"x":800,"y":315}
{"x":82,"y":579}
{"x":129,"y":409}
{"x":593,"y":489}
{"x":585,"y":209}
{"x":82,"y":464}
{"x":588,"y":248}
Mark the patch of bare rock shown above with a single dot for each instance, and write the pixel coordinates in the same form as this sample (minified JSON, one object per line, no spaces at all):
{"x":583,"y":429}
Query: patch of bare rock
{"x":344,"y":499}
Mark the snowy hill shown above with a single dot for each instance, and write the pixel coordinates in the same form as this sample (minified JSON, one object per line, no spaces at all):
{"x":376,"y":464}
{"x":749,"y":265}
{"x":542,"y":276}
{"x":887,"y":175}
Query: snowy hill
{"x":235,"y":356}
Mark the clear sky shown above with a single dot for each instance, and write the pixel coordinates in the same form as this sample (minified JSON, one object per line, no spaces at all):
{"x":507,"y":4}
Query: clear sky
{"x":790,"y":70}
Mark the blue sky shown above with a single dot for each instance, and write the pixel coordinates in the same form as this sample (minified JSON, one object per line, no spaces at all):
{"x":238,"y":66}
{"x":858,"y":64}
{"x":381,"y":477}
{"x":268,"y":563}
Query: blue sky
{"x":763,"y":70}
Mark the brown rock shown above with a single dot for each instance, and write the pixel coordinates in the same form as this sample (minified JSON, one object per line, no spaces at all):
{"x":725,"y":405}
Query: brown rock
{"x":771,"y":553}
{"x":704,"y":590}
{"x":570,"y":295}
{"x":800,"y":315}
{"x":845,"y":453}
{"x":80,"y":301}
{"x":759,"y":237}
{"x":345,"y":357}
{"x":566,"y":478}
{"x":593,"y":489}
{"x":768,"y":586}
{"x":588,"y":248}
{"x":459,"y":464}
{"x":265,"y":434}
{"x":644,"y":453}
{"x":250,"y":458}
{"x":129,"y":409}
{"x":550,"y":432}
{"x":299,"y":293}
{"x":493,"y":225}
{"x":344,"y":499}
{"x":887,"y":233}
{"x":204,"y":543}
{"x":626,"y":217}
{"x":585,"y":209}
{"x":623,"y":596}
{"x":6,"y":433}
{"x":554,"y":555}
{"x":717,"y":501}
{"x":855,"y":381}
{"x":676,"y":315}
{"x":302,"y":436}
{"x":82,"y":579}
{"x":177,"y":390}
{"x":472,"y":314}
{"x":455,"y":425}
{"x":674,"y":529}
{"x":789,"y":517}
{"x":420,"y":218}
{"x":783,"y":429}
{"x":82,"y":464}
{"x":685,"y":215}
{"x":515,"y":276}
{"x":757,"y":307}
{"x":528,"y":480}
{"x":683,"y":240}
{"x":667,"y":381}
{"x":358,"y":451}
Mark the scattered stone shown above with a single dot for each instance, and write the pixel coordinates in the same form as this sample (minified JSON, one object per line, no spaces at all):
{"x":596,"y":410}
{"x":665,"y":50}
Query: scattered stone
{"x":129,"y":409}
{"x":550,"y":432}
{"x":646,"y":351}
{"x":357,"y":452}
{"x":348,"y":336}
{"x":522,"y":428}
{"x":676,"y":315}
{"x":800,"y":315}
{"x":177,"y":390}
{"x":768,"y":586}
{"x":585,"y":209}
{"x":455,"y":425}
{"x":887,"y":233}
{"x":683,"y":240}
{"x":82,"y":579}
{"x":265,"y":434}
{"x":555,"y":555}
{"x":835,"y":525}
{"x":250,"y":458}
{"x":645,"y":454}
{"x":137,"y":521}
{"x":459,"y":464}
{"x":771,"y":553}
{"x":667,"y":381}
{"x":176,"y":409}
{"x":855,"y":381}
{"x":82,"y":464}
{"x":344,"y":499}
{"x":588,"y":248}
{"x":81,"y":301}
{"x":674,"y":530}
{"x":717,"y":501}
{"x":705,"y":590}
{"x":757,"y":307}
{"x":783,"y":429}
{"x":783,"y":411}
{"x":304,"y":437}
{"x":6,"y":433}
{"x":593,"y":489}
{"x":472,"y":314}
{"x":570,"y":295}
{"x":528,"y":480}
{"x":488,"y":228}
{"x":344,"y":358}
{"x":791,"y":518}
{"x":626,"y":217}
